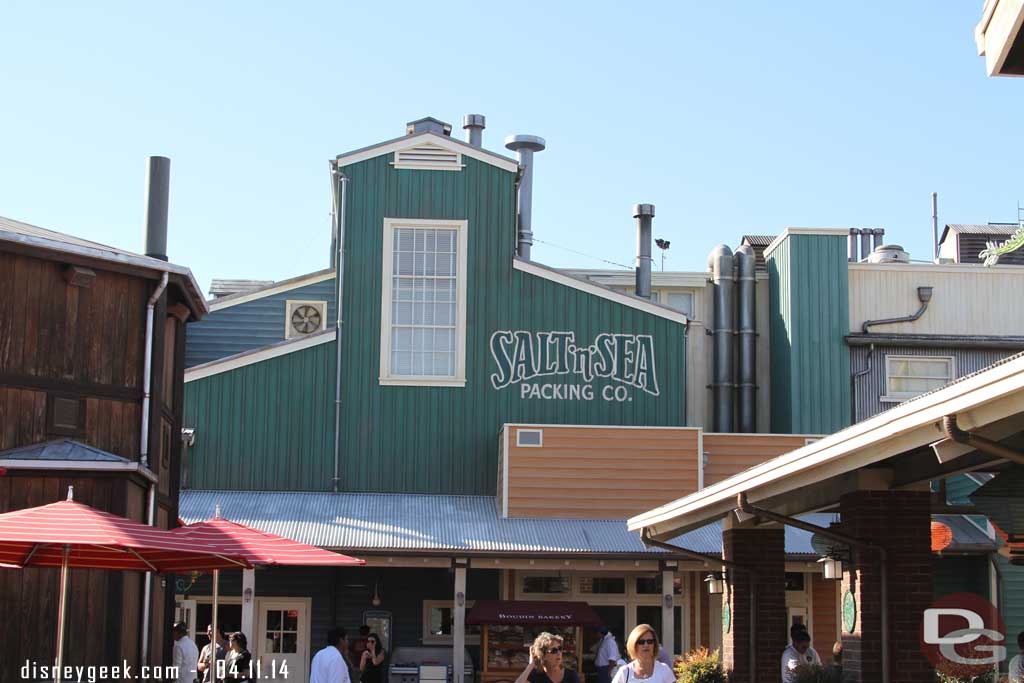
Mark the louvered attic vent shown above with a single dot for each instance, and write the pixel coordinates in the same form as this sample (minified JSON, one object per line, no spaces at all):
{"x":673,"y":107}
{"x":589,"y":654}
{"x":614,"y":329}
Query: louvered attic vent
{"x":428,"y":156}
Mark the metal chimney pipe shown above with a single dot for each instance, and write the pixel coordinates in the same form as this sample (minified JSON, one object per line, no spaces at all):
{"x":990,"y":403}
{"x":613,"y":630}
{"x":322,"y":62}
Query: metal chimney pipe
{"x":474,"y":125}
{"x":524,"y":146}
{"x":720,"y":262}
{"x":877,"y":235}
{"x":643,"y":213}
{"x":158,"y":180}
{"x":935,"y":226}
{"x":746,"y":398}
{"x":851,"y":251}
{"x":865,"y":243}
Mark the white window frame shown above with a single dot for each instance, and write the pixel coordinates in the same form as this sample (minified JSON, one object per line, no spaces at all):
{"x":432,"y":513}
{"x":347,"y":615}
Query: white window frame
{"x":899,"y":397}
{"x":387,"y":270}
{"x":289,"y":333}
{"x":433,"y":639}
{"x":538,"y":432}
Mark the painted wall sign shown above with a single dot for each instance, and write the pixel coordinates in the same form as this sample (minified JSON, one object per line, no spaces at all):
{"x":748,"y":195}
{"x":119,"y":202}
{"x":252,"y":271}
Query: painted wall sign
{"x":523,"y":357}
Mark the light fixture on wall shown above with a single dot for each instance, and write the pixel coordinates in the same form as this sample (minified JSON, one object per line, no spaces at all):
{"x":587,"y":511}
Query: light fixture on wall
{"x":716,"y":583}
{"x":667,"y":599}
{"x":460,"y":599}
{"x":375,"y":601}
{"x":247,"y":595}
{"x":831,"y":567}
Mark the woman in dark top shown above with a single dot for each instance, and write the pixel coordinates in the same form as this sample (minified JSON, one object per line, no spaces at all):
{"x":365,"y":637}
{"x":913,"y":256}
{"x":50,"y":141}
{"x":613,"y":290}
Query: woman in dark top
{"x":546,"y":662}
{"x":371,"y":663}
{"x":238,"y":659}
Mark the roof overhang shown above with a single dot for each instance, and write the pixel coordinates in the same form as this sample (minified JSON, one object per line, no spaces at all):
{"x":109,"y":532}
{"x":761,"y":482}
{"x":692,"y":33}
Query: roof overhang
{"x":88,"y":254}
{"x":443,"y":141}
{"x":79,"y":466}
{"x":1000,"y":37}
{"x":902,"y":448}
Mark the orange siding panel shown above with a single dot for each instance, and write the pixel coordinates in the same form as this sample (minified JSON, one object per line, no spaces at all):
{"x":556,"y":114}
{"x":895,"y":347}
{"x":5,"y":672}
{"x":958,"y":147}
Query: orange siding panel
{"x":824,"y":622}
{"x":730,"y":454}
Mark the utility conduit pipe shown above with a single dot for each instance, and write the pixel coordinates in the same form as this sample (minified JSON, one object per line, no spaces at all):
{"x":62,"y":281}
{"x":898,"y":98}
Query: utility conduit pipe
{"x":979,"y":443}
{"x":746,"y":507}
{"x":339,"y":187}
{"x":645,"y":538}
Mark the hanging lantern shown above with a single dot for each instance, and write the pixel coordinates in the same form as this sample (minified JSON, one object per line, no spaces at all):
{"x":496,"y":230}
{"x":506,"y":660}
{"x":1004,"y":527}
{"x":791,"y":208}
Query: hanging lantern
{"x":716,"y":583}
{"x":831,"y":567}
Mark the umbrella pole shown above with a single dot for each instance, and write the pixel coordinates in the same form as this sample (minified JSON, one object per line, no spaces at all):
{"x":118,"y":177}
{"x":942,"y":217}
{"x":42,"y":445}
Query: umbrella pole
{"x":62,"y":612}
{"x":213,"y":636}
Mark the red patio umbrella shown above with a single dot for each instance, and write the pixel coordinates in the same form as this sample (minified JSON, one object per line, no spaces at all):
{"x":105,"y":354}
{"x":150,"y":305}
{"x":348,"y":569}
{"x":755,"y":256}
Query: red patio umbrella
{"x":68,"y":534}
{"x":259,"y":548}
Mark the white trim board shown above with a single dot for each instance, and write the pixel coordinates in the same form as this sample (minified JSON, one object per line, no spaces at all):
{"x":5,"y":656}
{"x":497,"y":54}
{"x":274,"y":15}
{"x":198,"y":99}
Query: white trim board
{"x":79,"y":465}
{"x":258,"y":355}
{"x":922,"y":268}
{"x":836,"y":232}
{"x":600,"y":291}
{"x":276,"y":288}
{"x":627,"y":278}
{"x":443,"y":141}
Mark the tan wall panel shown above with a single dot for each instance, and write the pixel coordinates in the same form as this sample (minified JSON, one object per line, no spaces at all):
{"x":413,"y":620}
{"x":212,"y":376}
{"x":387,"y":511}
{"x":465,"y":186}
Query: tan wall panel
{"x":592,"y":472}
{"x":824,"y":621}
{"x":729,"y":454}
{"x":966,"y":299}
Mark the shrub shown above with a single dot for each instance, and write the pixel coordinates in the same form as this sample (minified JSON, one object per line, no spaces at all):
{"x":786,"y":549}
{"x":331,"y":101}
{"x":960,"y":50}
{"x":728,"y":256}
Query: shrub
{"x":987,"y":677}
{"x":812,"y":674}
{"x":700,"y":666}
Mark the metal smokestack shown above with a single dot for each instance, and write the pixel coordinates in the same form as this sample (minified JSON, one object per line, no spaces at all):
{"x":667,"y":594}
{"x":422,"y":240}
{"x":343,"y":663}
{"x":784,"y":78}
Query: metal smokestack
{"x":877,"y":235}
{"x":158,"y":179}
{"x":746,"y":350}
{"x":851,"y":251}
{"x":474,"y":125}
{"x":865,"y":243}
{"x":524,"y":146}
{"x":720,"y":263}
{"x":935,"y":226}
{"x":643,"y":213}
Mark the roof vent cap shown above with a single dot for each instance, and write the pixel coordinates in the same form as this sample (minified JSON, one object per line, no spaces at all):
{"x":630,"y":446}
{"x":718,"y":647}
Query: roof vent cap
{"x":889,"y":253}
{"x":428,"y":125}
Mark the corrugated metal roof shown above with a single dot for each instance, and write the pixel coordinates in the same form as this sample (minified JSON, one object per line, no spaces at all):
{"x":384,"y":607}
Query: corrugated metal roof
{"x":221,"y":287}
{"x":758,"y":240}
{"x":983,"y":229}
{"x":62,"y":450}
{"x":967,"y":537}
{"x":424,"y":523}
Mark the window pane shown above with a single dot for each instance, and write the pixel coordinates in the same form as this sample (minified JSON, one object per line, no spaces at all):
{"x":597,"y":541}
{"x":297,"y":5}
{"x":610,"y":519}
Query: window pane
{"x":604,"y":585}
{"x":912,"y":385}
{"x":546,"y":584}
{"x":681,"y":301}
{"x":648,"y":585}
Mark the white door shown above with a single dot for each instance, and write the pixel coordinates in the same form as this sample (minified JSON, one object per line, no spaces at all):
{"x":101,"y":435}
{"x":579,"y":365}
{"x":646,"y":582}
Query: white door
{"x":185,"y":610}
{"x":281,"y":649}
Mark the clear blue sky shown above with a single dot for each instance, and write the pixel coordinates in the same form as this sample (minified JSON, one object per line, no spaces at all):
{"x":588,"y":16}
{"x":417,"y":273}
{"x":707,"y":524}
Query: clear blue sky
{"x":745,"y":118}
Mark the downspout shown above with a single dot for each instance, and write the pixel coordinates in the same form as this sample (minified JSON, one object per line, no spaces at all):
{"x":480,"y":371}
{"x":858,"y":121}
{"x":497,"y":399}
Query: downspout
{"x":924,"y":295}
{"x":979,"y":443}
{"x":853,"y":382}
{"x":645,"y":538}
{"x":746,"y":507}
{"x":147,"y":379}
{"x":340,"y":190}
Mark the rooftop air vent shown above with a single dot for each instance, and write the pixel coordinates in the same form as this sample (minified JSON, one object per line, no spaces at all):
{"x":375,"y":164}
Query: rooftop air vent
{"x":889,"y":253}
{"x":428,"y":156}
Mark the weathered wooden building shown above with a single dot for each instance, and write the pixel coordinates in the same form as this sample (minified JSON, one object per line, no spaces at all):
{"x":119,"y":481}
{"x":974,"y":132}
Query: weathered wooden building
{"x":75,"y":409}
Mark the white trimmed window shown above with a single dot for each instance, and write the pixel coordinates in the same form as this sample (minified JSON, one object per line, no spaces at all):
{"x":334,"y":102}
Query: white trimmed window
{"x":910,"y":376}
{"x":423,"y":303}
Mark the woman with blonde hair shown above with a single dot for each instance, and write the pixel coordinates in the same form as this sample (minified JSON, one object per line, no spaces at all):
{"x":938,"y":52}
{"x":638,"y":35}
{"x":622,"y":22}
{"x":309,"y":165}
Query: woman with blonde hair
{"x":546,"y":662}
{"x":642,"y":646}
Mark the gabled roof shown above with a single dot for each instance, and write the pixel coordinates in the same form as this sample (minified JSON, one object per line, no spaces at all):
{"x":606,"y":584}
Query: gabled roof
{"x":81,"y":250}
{"x":757,"y":240}
{"x":443,"y":141}
{"x":995,"y":229}
{"x":271,"y":288}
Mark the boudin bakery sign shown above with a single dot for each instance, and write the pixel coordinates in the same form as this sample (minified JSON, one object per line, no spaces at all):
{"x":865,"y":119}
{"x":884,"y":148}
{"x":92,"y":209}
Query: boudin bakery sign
{"x":554,"y":366}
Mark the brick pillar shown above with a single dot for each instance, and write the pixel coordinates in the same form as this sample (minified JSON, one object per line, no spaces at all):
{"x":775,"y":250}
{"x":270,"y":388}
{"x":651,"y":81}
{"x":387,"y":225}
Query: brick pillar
{"x":764,"y":551}
{"x":899,"y":521}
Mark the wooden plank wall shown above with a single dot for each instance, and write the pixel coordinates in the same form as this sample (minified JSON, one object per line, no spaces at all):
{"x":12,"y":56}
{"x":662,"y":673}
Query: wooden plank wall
{"x":825,"y":620}
{"x":729,"y":454}
{"x":600,"y":472}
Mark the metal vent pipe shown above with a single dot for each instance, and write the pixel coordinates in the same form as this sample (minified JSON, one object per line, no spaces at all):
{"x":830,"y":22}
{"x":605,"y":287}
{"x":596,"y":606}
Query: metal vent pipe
{"x":720,"y":262}
{"x":865,"y":243}
{"x":158,"y":182}
{"x":877,"y":235}
{"x":851,"y":254}
{"x":524,"y":146}
{"x":746,"y":398}
{"x":643,"y":213}
{"x":474,"y":125}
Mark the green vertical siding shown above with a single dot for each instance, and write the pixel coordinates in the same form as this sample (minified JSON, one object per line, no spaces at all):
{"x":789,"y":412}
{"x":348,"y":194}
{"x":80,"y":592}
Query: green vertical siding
{"x":809,"y":304}
{"x":445,"y":439}
{"x":963,"y":574}
{"x":265,"y":426}
{"x":1013,"y":599}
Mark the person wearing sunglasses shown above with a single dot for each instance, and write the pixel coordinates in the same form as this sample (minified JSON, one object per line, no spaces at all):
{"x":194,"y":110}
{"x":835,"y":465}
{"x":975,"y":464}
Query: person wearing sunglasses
{"x":545,"y":665}
{"x":371,"y":662}
{"x":642,"y":646}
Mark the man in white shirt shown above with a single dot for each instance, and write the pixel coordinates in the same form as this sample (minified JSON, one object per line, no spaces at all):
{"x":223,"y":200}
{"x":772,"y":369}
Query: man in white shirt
{"x":329,"y":665}
{"x":1017,"y":663}
{"x":798,"y":655}
{"x":607,"y":655}
{"x":185,"y":654}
